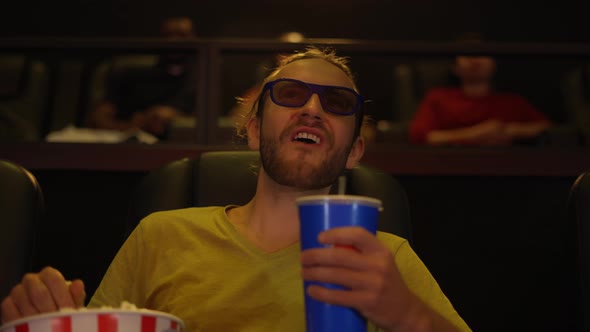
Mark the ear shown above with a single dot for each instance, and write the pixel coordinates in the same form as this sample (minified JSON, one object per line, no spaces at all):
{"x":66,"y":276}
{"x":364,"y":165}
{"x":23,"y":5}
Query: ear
{"x":356,"y":152}
{"x":253,"y":132}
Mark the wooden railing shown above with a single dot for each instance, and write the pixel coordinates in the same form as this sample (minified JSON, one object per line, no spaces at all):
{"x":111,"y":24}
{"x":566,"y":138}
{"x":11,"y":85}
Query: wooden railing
{"x":395,"y":160}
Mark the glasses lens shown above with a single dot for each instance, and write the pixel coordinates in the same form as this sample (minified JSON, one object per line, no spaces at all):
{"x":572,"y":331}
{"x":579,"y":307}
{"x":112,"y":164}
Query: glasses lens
{"x":339,"y":101}
{"x":291,"y":93}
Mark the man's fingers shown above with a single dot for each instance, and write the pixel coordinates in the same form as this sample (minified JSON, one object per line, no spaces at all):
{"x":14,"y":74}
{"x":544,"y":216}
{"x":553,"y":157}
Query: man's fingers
{"x":78,"y":293}
{"x":342,"y":257}
{"x":46,"y":291}
{"x":9,"y":310}
{"x":349,"y":279}
{"x":336,"y":296}
{"x":38,"y":293}
{"x":356,"y":237}
{"x":21,"y":300}
{"x":58,"y":287}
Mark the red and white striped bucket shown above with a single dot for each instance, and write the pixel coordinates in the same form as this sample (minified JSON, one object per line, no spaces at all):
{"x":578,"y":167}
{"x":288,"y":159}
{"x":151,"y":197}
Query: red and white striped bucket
{"x":97,"y":320}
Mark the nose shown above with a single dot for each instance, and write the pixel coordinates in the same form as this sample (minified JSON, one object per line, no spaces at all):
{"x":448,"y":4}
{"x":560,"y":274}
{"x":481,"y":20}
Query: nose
{"x":313,"y":107}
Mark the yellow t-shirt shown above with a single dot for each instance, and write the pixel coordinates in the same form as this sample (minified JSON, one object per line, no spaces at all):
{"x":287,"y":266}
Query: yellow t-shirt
{"x":193,"y":264}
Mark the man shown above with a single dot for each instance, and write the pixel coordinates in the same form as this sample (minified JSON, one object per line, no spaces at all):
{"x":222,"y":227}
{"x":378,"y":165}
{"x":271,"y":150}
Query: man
{"x":239,"y":268}
{"x":473,"y":113}
{"x":151,"y":98}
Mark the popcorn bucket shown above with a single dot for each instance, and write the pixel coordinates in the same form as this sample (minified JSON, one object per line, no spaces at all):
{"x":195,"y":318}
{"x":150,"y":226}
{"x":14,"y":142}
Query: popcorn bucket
{"x":97,"y":320}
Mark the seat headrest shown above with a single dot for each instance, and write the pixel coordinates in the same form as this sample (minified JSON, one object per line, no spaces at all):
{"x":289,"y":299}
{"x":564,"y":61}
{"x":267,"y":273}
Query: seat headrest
{"x":13,"y":73}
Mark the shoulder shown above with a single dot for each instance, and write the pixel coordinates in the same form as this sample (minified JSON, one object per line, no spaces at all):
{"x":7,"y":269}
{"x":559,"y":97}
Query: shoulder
{"x":165,"y":221}
{"x":402,"y":252}
{"x":392,"y":241}
{"x":187,"y":212}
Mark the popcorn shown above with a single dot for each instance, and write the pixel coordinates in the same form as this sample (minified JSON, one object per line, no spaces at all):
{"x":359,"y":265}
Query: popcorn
{"x":128,"y":306}
{"x":123,"y":306}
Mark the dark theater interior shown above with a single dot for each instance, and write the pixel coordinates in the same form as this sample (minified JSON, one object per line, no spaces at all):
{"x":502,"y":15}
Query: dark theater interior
{"x":503,"y":228}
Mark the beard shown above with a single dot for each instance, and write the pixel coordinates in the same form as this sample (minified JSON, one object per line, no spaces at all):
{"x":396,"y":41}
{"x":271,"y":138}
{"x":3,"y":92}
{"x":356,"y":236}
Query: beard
{"x":299,"y":173}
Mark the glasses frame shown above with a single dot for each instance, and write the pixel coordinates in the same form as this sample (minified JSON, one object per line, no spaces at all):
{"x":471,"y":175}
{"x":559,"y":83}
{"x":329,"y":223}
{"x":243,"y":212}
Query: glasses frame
{"x":314,"y":89}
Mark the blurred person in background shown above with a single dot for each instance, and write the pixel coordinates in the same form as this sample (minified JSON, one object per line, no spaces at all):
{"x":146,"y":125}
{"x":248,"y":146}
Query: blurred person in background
{"x":151,"y":98}
{"x":474,"y":113}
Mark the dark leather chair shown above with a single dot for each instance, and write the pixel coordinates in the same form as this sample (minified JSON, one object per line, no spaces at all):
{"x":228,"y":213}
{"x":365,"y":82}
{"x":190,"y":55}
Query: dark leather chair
{"x":575,"y":90}
{"x":21,"y":207}
{"x":229,"y":177}
{"x":23,"y":97}
{"x":98,"y":85}
{"x":579,"y":214}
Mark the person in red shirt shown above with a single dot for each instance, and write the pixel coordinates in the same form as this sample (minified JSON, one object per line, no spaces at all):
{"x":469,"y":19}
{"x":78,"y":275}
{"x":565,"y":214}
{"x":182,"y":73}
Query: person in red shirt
{"x":473,"y":113}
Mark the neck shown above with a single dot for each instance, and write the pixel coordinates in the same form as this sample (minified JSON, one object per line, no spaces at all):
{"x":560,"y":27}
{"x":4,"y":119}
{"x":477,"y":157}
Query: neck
{"x":271,"y":220}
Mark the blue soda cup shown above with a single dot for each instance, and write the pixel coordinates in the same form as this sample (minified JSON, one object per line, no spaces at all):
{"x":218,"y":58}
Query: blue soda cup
{"x":319,"y":213}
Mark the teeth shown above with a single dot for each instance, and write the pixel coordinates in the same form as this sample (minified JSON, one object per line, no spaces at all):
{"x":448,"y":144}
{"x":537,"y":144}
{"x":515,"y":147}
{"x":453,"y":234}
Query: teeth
{"x":308,"y":136}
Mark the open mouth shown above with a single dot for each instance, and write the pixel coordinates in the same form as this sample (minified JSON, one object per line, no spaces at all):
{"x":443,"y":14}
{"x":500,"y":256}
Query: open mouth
{"x":307,"y":138}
